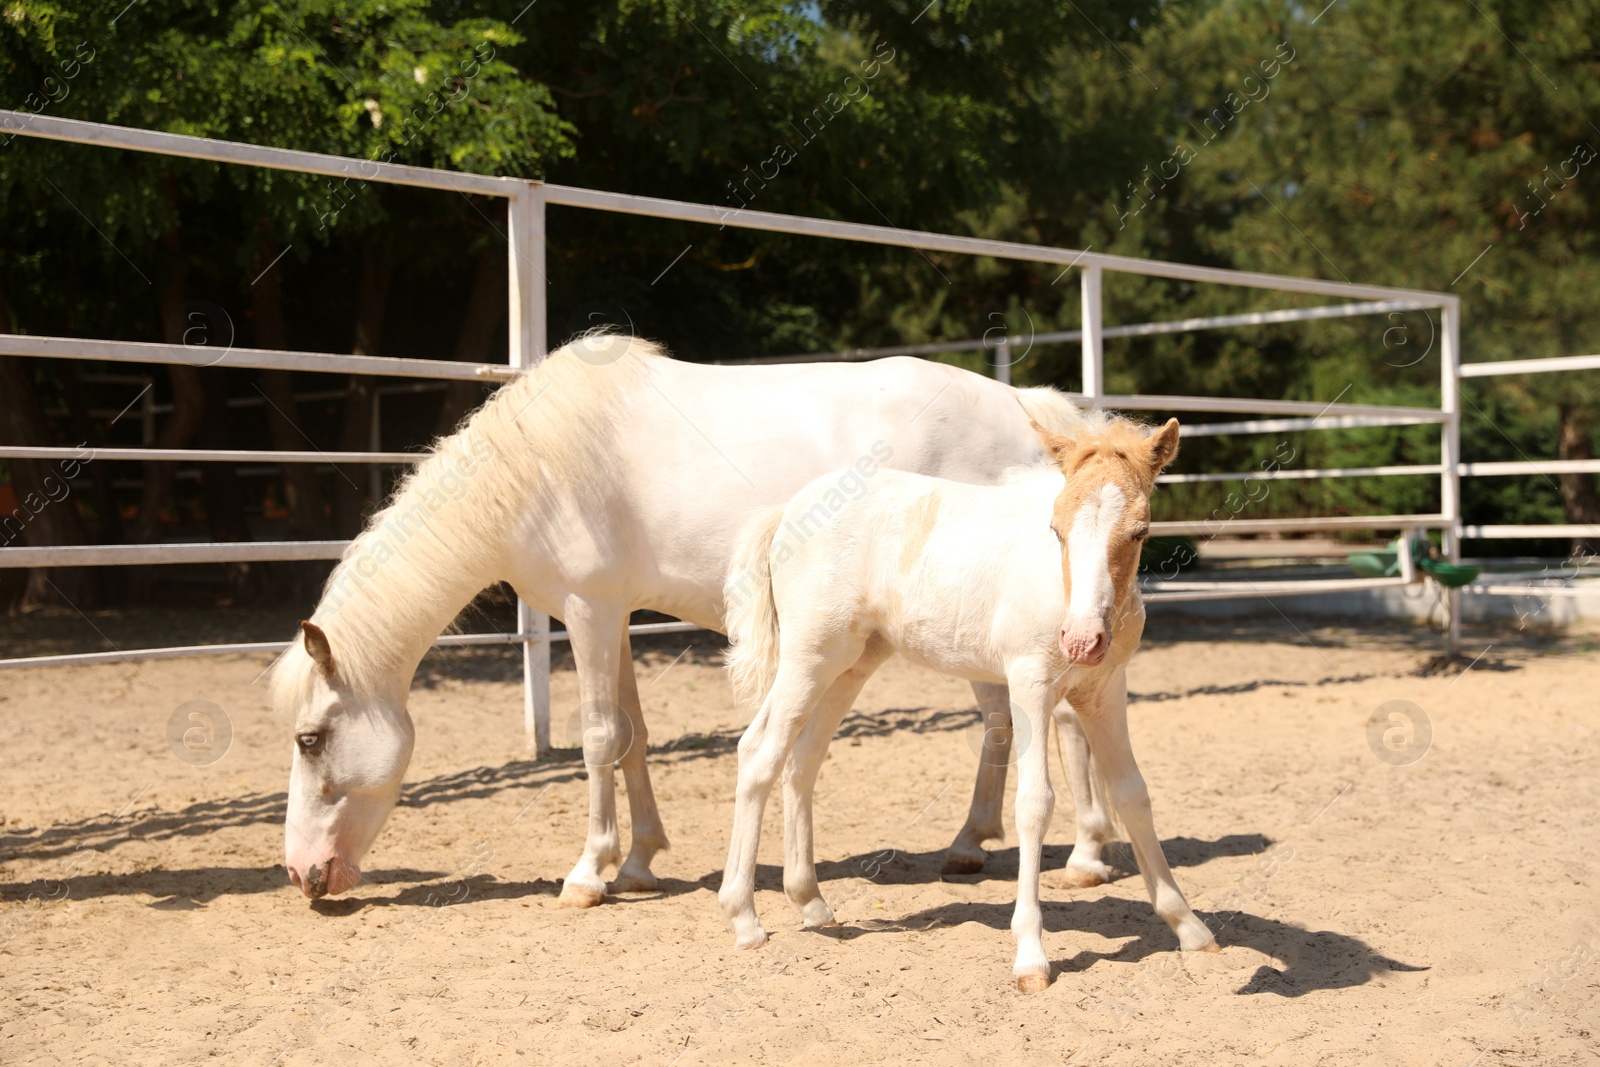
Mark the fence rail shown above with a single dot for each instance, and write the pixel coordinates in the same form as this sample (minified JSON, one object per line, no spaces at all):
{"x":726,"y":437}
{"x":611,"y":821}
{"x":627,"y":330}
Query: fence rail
{"x":527,"y":202}
{"x":16,"y":344}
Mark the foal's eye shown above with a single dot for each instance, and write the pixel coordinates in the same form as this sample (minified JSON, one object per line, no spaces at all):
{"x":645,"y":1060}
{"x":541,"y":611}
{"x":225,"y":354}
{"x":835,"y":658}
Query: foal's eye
{"x":1140,"y":535}
{"x":309,"y":743}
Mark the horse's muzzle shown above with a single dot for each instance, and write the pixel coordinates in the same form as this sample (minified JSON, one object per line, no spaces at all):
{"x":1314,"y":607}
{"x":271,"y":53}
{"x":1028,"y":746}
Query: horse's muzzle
{"x":325,"y":879}
{"x":1085,"y":645}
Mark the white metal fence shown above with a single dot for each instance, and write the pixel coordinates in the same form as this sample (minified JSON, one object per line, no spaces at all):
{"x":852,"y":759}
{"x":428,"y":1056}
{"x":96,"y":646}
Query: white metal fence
{"x":527,"y":201}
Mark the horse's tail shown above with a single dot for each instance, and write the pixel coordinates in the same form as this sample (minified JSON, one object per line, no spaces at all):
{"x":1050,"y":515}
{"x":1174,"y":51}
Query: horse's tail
{"x":752,"y":615}
{"x":1057,"y":413}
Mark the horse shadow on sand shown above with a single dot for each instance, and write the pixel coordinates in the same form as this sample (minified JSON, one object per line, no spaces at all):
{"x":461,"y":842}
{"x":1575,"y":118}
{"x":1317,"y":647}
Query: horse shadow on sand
{"x":1302,"y":961}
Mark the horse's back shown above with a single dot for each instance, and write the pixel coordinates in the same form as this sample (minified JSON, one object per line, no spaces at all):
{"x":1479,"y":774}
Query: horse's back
{"x":947,"y":572}
{"x":700,"y":449}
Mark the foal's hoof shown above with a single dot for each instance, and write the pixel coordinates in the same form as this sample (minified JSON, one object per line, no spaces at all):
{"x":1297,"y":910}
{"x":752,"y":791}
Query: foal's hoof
{"x":630,"y":882}
{"x":964,"y":861}
{"x":575,"y":895}
{"x":1033,"y":983}
{"x":1082,"y":877}
{"x":1197,"y":937}
{"x":751,"y":940}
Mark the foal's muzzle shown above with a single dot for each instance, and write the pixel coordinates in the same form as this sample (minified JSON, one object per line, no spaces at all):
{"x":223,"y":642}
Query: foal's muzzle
{"x":1085,"y":644}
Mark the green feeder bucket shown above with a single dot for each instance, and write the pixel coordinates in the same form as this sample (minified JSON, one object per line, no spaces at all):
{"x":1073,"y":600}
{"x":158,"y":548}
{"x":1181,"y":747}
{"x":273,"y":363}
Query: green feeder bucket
{"x":1379,"y":564}
{"x":1449,"y":575}
{"x":1385,"y":563}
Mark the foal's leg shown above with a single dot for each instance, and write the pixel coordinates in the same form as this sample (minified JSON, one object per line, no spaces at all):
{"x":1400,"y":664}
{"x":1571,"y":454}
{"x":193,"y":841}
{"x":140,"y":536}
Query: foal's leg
{"x":799,"y":784}
{"x":1084,"y":867}
{"x":984,"y":823}
{"x":804,"y":674}
{"x":1035,"y":800}
{"x":597,"y":630}
{"x":649,"y":836}
{"x":1105,"y":721}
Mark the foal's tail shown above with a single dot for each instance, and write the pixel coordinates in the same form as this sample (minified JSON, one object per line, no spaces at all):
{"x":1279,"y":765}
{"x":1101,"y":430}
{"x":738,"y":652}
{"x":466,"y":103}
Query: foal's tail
{"x":752,"y":615}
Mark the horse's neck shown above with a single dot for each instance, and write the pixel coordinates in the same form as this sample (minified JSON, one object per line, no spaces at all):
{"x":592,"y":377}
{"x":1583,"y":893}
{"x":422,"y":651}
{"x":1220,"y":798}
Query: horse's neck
{"x":400,"y":586}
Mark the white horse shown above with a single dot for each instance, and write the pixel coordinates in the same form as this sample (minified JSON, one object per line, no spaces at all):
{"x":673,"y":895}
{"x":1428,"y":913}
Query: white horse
{"x":606,"y":479}
{"x":967,"y":580}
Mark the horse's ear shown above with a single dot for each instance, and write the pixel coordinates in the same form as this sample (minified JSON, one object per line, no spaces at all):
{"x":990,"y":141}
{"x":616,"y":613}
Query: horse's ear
{"x":317,"y":646}
{"x":1056,"y":446}
{"x":1162,"y":447}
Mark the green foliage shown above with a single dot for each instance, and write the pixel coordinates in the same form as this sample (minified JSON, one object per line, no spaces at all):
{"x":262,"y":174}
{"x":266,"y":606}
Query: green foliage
{"x":1427,"y":145}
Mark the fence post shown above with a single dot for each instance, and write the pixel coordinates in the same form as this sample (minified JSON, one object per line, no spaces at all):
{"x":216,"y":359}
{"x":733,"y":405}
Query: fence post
{"x":1093,"y":340}
{"x":1002,"y":361}
{"x":1450,"y":459}
{"x":529,"y":338}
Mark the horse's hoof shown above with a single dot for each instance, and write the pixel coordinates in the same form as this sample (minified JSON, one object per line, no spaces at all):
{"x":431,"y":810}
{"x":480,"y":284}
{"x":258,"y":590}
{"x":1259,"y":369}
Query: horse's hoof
{"x":755,"y":940}
{"x":1195,"y":936}
{"x":1033,"y":983}
{"x":816,"y":915}
{"x":964,"y":862}
{"x":627,"y":882}
{"x":574,"y":895}
{"x":1082,"y":877}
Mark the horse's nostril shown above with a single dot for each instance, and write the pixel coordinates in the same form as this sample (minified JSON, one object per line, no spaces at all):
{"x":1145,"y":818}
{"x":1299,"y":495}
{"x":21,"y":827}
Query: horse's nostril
{"x":316,"y":881}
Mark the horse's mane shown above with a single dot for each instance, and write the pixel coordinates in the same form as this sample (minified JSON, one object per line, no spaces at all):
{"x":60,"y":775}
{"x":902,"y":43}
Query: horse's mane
{"x":441,"y":538}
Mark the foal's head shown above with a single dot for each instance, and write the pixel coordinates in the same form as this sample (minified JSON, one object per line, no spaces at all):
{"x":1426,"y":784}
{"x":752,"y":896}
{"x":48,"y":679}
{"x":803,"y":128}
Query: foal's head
{"x":1101,"y":519}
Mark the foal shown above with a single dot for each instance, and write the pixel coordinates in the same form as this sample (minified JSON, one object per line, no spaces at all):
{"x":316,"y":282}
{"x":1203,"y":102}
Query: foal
{"x":1031,"y":584}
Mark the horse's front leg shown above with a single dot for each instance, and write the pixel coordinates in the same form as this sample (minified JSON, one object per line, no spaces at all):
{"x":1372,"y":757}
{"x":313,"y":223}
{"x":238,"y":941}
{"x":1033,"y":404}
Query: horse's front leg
{"x":647,"y":834}
{"x":1031,"y":699}
{"x":596,"y":630}
{"x":984,"y":817}
{"x":1104,"y":715}
{"x":1084,"y":867}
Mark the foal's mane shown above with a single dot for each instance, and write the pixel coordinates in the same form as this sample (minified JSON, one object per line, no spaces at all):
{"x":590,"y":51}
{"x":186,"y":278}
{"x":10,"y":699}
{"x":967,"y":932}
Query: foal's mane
{"x":441,"y":538}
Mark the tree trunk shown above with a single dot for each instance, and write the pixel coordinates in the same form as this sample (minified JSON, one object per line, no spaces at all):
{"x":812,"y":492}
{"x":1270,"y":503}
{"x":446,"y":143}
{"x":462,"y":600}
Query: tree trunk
{"x":1575,"y":440}
{"x":188,"y":400}
{"x":219,"y":482}
{"x":109,"y":584}
{"x":301,"y":498}
{"x":45,"y":512}
{"x":108,"y":527}
{"x":473,"y":345}
{"x":355,"y":433}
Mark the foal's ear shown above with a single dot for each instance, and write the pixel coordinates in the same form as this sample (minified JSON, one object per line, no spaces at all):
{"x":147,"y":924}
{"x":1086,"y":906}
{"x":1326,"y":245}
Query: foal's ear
{"x":317,"y":646}
{"x":1162,"y":447}
{"x":1056,"y":446}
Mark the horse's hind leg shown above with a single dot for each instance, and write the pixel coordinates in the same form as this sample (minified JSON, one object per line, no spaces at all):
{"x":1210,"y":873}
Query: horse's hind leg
{"x":984,"y":821}
{"x":597,"y":630}
{"x":1084,"y":867}
{"x":648,"y":835}
{"x":806,"y":670}
{"x":799,"y":784}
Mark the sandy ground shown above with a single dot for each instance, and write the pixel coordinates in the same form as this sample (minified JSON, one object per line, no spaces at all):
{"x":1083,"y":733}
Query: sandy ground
{"x":1438,"y":912}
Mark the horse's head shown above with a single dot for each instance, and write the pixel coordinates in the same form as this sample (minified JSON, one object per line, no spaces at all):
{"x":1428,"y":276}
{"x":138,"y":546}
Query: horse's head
{"x":351,"y":747}
{"x":1101,"y":518}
